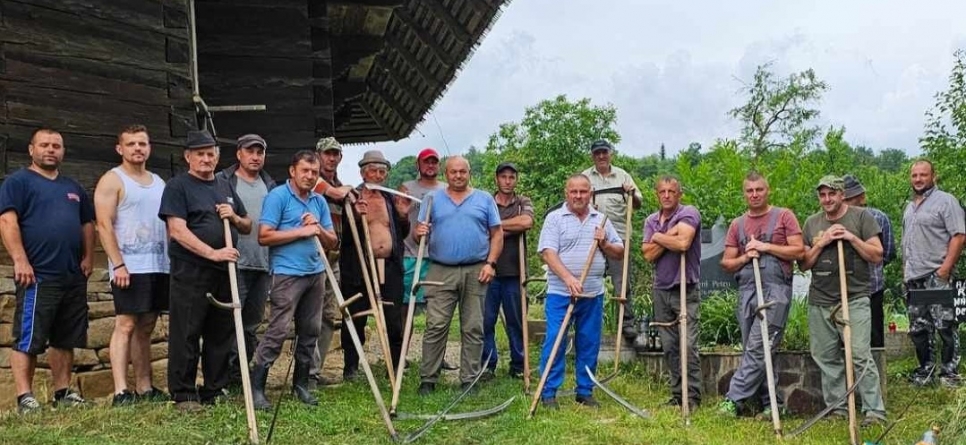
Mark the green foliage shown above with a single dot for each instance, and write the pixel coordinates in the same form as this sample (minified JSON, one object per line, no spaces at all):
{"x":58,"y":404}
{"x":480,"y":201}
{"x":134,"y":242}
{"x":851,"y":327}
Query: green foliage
{"x":404,"y":170}
{"x":719,"y":326}
{"x":777,"y":111}
{"x":796,"y":336}
{"x":945,"y":133}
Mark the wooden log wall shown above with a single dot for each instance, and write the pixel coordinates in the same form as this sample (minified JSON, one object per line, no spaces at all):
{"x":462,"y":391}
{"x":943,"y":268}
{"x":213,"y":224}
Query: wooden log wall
{"x":89,"y":68}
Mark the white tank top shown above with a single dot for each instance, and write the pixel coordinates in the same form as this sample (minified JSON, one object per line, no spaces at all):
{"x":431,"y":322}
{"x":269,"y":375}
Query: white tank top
{"x":141,"y":236}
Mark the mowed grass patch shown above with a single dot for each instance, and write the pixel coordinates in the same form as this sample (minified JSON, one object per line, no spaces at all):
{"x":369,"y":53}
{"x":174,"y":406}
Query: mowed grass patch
{"x":348,"y":415}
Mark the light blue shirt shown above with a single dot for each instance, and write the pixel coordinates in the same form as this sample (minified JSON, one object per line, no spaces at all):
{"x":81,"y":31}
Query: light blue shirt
{"x":283,"y":210}
{"x":564,"y":233}
{"x":460,"y":233}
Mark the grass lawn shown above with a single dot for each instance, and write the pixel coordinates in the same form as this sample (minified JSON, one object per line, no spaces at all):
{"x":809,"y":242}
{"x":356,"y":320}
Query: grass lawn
{"x":347,"y":415}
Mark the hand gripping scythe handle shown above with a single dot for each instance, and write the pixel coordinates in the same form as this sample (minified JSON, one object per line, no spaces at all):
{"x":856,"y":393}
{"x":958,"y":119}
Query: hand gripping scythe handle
{"x":563,"y":326}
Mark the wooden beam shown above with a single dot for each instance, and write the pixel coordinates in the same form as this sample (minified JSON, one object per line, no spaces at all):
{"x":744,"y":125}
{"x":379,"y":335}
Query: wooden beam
{"x":410,"y":59}
{"x":390,"y":131}
{"x":368,"y":3}
{"x":345,"y":90}
{"x":390,"y":100}
{"x":424,"y":36}
{"x":443,"y":13}
{"x":392,"y":73}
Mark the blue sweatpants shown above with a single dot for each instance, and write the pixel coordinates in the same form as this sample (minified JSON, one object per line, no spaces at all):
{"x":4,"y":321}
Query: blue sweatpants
{"x":588,"y":316}
{"x":503,"y":291}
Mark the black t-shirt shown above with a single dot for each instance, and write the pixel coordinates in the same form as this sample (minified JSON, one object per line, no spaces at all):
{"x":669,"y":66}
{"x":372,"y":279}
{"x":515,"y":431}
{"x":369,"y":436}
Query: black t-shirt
{"x":193,"y":200}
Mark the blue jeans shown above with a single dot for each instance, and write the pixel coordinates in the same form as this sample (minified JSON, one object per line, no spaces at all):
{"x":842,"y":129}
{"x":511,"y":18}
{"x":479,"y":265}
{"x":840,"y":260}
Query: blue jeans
{"x":588,"y":316}
{"x":503,"y":291}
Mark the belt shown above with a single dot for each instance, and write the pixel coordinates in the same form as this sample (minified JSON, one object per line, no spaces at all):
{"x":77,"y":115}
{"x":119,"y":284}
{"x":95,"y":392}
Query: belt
{"x":474,"y":263}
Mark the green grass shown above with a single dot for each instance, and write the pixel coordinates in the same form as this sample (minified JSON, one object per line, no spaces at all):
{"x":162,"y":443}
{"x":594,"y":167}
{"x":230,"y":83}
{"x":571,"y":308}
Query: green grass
{"x":347,"y":415}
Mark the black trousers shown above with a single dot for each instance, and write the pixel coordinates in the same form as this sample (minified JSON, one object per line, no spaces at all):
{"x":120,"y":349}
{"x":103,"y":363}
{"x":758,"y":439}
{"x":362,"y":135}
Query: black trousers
{"x":392,"y":291}
{"x":878,"y":319}
{"x":193,"y":321}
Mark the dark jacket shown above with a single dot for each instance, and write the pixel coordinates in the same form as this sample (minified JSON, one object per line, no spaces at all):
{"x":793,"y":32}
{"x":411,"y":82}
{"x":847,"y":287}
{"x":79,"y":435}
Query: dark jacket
{"x":350,"y":272}
{"x":229,"y":174}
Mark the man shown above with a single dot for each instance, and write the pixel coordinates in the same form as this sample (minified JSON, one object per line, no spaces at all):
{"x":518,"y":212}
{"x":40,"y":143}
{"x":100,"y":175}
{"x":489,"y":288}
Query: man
{"x":388,"y":219}
{"x":610,"y":184}
{"x":932,"y":240}
{"x":567,"y":235}
{"x":855,"y":196}
{"x":335,"y":194}
{"x":126,"y":200}
{"x":859,"y":234}
{"x":516,"y":217}
{"x":773,"y":236}
{"x":669,"y":233}
{"x":294,"y":218}
{"x":47,"y":225}
{"x":427,"y":163}
{"x":193,"y":206}
{"x":251,"y":183}
{"x":466,"y":242}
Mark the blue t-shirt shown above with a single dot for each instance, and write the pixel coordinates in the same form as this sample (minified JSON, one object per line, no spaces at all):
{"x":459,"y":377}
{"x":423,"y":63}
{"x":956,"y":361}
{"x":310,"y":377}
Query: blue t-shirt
{"x":50,"y":214}
{"x":460,"y":234}
{"x":283,"y":210}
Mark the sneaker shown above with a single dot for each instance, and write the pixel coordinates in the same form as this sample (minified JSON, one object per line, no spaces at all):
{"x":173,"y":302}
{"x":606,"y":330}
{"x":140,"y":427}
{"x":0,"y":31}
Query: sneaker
{"x":515,"y":374}
{"x":871,"y":420}
{"x":447,"y":366}
{"x":27,"y":404}
{"x":126,"y":397}
{"x":588,"y":401}
{"x":189,"y":406}
{"x":69,"y":399}
{"x":426,"y":388}
{"x":550,"y":403}
{"x":765,"y":414}
{"x":728,"y":408}
{"x":153,"y":395}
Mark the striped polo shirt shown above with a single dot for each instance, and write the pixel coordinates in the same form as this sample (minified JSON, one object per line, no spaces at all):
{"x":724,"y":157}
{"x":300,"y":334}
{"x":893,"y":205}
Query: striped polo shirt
{"x":564,"y":233}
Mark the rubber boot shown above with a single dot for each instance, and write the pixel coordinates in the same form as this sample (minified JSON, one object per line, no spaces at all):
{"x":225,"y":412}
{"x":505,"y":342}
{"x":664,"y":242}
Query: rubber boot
{"x":259,"y":377}
{"x":321,"y":352}
{"x":300,"y":384}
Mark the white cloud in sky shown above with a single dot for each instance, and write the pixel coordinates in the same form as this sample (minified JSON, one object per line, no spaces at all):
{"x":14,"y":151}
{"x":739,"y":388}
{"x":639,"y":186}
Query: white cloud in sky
{"x":672,"y":68}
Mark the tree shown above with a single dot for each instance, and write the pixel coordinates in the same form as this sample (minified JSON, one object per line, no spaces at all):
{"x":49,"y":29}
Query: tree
{"x":891,"y":160}
{"x":945,"y":136}
{"x":404,"y":170}
{"x":777,"y":111}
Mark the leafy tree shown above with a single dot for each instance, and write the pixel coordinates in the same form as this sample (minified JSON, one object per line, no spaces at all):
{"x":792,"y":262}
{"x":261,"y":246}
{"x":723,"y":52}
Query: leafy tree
{"x":891,"y":160}
{"x":404,"y":170}
{"x":777,"y":111}
{"x":945,"y":136}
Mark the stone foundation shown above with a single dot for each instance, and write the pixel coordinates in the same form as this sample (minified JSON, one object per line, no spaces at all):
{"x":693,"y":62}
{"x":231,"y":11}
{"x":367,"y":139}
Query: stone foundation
{"x":92,"y":367}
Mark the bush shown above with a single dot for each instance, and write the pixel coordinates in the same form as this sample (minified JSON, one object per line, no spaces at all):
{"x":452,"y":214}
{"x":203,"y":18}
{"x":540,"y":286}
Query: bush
{"x":719,"y":325}
{"x":796,"y":328}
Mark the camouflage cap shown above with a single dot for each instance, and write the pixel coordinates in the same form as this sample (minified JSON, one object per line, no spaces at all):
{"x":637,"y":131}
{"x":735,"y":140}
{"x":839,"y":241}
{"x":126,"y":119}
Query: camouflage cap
{"x":326,"y":144}
{"x":831,"y":181}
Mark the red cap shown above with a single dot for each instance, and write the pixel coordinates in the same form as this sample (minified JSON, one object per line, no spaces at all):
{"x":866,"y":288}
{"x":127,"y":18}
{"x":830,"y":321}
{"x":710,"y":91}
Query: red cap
{"x":427,"y":153}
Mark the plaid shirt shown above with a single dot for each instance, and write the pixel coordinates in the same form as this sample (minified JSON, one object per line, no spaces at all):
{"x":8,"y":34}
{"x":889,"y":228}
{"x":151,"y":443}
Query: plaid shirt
{"x":877,"y":280}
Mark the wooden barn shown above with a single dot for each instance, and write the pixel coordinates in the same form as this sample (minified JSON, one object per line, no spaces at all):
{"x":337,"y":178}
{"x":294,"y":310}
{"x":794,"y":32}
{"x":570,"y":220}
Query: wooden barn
{"x":290,"y":70}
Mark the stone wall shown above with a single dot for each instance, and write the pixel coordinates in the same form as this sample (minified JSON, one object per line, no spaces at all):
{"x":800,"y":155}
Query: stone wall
{"x":92,"y":368}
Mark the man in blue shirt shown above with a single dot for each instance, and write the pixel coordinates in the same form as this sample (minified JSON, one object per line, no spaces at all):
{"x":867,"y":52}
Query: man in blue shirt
{"x":466,"y":241}
{"x":293,"y":218}
{"x":47,"y":224}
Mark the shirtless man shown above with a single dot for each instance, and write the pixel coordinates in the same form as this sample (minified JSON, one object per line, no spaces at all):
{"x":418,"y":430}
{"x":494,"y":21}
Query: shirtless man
{"x":388,"y":221}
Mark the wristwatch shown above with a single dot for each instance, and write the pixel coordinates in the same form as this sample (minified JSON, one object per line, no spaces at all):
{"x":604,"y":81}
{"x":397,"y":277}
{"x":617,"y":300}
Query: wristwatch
{"x":491,"y":264}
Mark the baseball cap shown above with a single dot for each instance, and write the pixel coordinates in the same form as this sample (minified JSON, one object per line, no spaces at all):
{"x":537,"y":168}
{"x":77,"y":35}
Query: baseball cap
{"x":506,"y":165}
{"x":831,"y":181}
{"x":600,"y":144}
{"x":427,"y":153}
{"x":326,"y":144}
{"x":249,"y":140}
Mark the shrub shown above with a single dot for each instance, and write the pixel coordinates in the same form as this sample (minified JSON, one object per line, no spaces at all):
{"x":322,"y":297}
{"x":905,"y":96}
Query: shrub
{"x":719,"y":325}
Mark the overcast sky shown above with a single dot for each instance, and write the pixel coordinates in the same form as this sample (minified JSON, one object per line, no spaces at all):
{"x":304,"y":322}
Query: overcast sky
{"x":673,"y":68}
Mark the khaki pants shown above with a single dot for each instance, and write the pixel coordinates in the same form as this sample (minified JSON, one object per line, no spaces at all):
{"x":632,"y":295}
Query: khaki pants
{"x":461,"y":287}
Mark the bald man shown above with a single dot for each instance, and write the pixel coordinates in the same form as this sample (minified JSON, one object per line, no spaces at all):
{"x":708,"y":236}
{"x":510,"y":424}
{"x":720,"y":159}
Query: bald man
{"x":466,"y":241}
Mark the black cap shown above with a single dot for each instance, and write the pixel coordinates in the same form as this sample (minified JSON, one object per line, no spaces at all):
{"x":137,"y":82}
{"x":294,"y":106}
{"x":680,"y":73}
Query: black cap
{"x":506,"y":165}
{"x":600,"y":144}
{"x":199,"y":139}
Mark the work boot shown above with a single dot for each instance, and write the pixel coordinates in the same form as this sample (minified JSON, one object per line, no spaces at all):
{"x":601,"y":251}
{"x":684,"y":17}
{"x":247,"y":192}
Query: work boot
{"x":588,"y":401}
{"x":300,"y":385}
{"x":259,"y":375}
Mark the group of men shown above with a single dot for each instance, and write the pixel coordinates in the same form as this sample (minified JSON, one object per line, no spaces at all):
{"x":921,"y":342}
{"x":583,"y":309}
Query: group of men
{"x":169,"y":245}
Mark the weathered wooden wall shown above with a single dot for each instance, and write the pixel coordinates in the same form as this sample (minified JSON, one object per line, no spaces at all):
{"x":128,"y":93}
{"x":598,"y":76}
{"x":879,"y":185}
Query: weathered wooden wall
{"x":89,"y":67}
